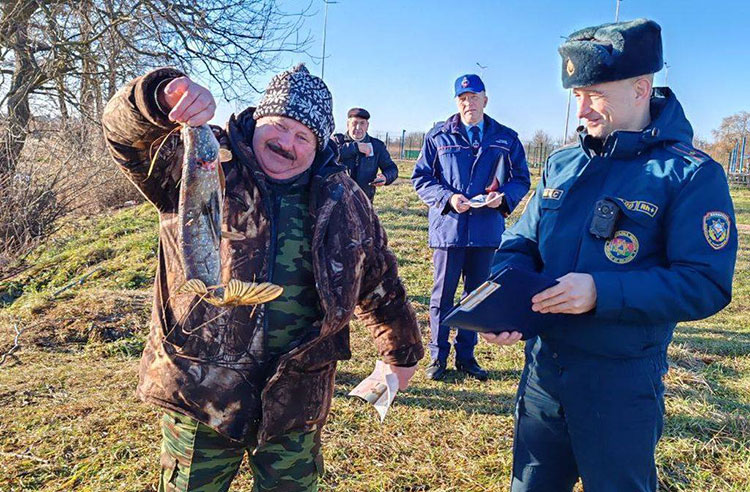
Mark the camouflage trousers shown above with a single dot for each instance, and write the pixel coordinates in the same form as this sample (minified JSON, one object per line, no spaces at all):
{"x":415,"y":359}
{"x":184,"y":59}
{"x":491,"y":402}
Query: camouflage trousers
{"x":196,"y":458}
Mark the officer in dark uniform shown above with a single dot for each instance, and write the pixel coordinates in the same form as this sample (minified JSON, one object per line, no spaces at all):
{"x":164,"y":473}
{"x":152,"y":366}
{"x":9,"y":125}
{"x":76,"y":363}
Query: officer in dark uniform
{"x":366,"y":158}
{"x":472,"y":173}
{"x":638,"y":227}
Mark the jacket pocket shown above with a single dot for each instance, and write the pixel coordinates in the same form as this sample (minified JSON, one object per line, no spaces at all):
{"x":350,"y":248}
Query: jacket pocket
{"x":298,"y":399}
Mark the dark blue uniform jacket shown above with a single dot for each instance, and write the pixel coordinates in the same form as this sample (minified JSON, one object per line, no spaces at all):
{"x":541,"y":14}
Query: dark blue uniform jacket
{"x":447,"y":165}
{"x":364,"y":169}
{"x":672,"y":257}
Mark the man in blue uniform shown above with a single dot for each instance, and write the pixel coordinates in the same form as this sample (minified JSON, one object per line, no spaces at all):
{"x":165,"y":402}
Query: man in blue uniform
{"x":638,"y":227}
{"x":366,"y":158}
{"x":470,"y":156}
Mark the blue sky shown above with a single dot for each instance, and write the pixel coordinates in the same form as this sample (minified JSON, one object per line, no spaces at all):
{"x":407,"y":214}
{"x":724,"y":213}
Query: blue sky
{"x":399,"y":59}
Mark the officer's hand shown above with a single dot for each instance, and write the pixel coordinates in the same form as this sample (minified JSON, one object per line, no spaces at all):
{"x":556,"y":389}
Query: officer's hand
{"x":365,"y":148}
{"x":494,"y":199}
{"x":404,"y":374}
{"x":504,"y":338}
{"x":574,"y":294}
{"x":189,"y":102}
{"x":460,"y":203}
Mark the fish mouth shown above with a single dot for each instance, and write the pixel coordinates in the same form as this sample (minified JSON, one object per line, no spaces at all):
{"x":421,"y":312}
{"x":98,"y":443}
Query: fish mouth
{"x":207,"y":165}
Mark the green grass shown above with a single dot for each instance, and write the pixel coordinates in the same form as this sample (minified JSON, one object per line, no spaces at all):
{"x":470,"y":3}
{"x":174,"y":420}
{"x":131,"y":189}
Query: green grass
{"x":69,"y":419}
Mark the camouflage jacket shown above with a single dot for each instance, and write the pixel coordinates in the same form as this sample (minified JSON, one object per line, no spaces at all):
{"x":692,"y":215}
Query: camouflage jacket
{"x":213,"y":369}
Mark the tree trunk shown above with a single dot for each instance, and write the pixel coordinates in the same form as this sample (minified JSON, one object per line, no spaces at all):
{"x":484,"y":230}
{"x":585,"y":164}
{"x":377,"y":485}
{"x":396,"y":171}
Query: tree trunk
{"x":25,"y":79}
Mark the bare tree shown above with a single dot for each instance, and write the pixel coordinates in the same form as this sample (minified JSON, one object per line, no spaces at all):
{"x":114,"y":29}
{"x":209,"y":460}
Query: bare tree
{"x":61,"y":60}
{"x":542,"y":139}
{"x":77,"y":51}
{"x":732,"y":130}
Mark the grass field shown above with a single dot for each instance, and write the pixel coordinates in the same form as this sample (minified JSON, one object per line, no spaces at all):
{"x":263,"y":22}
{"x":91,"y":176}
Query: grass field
{"x":69,"y":420}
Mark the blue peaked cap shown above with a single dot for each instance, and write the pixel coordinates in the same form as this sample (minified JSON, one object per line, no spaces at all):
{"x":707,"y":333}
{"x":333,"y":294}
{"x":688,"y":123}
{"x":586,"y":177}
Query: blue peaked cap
{"x":468,"y":83}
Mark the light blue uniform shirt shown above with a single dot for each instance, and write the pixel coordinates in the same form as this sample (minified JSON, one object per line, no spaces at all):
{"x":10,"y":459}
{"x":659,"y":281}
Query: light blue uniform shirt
{"x":479,"y":125}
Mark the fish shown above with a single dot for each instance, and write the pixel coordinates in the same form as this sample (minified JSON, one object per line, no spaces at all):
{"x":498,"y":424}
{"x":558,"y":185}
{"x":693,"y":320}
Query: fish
{"x":199,"y":219}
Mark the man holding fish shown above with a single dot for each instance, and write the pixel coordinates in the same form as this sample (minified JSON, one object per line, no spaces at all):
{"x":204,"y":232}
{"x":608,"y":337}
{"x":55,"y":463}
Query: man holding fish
{"x":235,"y":375}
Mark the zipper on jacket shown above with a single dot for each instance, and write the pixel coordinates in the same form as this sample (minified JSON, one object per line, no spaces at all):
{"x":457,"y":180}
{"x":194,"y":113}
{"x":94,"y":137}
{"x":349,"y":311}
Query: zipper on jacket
{"x":587,"y":222}
{"x":275,"y":210}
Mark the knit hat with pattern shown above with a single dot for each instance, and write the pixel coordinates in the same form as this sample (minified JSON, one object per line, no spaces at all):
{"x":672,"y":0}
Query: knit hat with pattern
{"x":299,"y":95}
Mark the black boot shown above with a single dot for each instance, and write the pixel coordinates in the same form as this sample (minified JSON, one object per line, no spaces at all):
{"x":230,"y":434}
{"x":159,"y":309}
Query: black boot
{"x":436,"y":370}
{"x":472,"y":368}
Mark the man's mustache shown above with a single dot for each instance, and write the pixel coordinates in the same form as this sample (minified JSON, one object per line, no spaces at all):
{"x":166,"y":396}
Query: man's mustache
{"x":276,"y":149}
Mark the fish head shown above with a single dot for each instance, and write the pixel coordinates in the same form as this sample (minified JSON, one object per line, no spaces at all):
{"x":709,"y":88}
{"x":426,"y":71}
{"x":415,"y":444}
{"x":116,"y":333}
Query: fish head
{"x":201,"y":146}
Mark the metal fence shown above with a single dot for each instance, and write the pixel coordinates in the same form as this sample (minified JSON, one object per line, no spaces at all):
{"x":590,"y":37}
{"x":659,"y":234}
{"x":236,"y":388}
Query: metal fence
{"x":407,"y":145}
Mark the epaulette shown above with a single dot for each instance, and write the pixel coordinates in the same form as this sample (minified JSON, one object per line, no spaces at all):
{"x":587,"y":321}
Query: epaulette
{"x":571,"y":145}
{"x":689,"y":153}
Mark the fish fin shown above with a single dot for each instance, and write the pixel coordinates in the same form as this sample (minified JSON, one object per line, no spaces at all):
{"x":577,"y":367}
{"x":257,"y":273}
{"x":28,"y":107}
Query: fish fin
{"x":212,"y":213}
{"x":239,"y":293}
{"x":193,"y":286}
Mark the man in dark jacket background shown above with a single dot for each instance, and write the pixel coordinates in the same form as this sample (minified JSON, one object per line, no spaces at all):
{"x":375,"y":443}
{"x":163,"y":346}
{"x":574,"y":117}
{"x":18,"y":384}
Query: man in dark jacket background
{"x":366,"y":158}
{"x":470,"y":156}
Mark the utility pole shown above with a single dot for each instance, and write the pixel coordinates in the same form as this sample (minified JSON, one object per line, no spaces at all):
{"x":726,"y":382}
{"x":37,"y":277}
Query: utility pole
{"x":567,"y":117}
{"x":617,"y":11}
{"x":666,"y":74}
{"x":325,"y":29}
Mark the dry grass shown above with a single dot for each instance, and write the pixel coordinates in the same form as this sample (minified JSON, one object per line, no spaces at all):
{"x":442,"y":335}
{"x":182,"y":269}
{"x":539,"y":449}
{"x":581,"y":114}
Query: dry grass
{"x":69,"y":420}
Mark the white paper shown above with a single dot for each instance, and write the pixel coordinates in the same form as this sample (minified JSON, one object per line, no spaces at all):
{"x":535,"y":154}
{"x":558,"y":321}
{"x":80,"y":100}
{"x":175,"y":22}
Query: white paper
{"x":378,"y":389}
{"x":478,"y":201}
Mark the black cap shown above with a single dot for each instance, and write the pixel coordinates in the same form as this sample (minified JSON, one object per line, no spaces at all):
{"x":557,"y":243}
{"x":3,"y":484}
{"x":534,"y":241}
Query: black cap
{"x":610,"y":52}
{"x":358,"y":113}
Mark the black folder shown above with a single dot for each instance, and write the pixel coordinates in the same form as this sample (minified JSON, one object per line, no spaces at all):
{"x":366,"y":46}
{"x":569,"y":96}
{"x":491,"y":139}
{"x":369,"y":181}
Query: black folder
{"x":503,"y":303}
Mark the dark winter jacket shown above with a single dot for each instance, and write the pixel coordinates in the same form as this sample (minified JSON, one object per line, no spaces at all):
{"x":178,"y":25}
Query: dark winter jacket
{"x":216,"y":370}
{"x":671,"y":257}
{"x":364,"y":169}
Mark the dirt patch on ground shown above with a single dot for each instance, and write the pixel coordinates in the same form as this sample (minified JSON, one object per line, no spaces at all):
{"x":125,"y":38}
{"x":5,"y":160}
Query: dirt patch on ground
{"x":92,"y":316}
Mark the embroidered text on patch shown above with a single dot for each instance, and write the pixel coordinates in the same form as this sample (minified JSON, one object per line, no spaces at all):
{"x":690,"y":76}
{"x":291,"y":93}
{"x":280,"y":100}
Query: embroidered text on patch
{"x":640,"y":206}
{"x":552,"y":193}
{"x":622,"y":248}
{"x":716,"y":227}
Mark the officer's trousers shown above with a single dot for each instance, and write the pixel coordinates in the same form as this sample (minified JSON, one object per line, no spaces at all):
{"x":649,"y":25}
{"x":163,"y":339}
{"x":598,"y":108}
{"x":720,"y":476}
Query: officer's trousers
{"x":450,"y":264}
{"x":594,"y":418}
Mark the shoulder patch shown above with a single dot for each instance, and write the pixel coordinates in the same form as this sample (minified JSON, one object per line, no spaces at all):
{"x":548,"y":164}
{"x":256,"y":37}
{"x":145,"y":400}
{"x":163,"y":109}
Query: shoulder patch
{"x":689,"y":153}
{"x":716,"y":227}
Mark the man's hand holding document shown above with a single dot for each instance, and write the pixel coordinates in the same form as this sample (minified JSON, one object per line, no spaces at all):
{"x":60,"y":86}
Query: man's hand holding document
{"x":378,"y":389}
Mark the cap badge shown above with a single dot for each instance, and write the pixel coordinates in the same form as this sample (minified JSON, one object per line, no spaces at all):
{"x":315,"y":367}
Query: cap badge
{"x":570,"y":68}
{"x":465,"y":82}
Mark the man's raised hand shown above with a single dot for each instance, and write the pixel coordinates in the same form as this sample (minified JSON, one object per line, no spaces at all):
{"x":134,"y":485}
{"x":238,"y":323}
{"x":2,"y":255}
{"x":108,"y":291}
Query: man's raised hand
{"x":188,"y":102}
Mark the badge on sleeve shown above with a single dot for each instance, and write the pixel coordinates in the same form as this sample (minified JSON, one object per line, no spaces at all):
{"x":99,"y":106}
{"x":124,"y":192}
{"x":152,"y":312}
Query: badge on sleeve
{"x":716,"y":229}
{"x":622,"y":248}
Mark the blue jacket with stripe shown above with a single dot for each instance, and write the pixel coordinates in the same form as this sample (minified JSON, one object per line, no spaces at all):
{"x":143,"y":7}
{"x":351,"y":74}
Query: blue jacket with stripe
{"x":447,"y":166}
{"x":674,"y":248}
